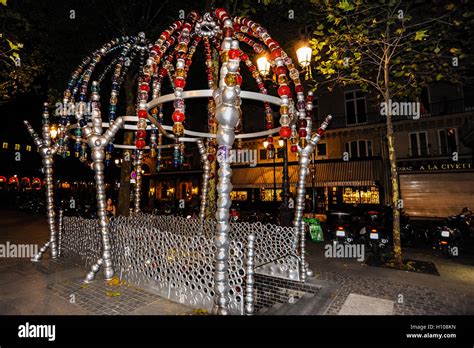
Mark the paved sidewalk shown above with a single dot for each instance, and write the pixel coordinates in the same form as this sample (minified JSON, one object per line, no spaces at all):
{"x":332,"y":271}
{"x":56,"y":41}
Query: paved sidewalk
{"x":55,"y":286}
{"x":411,"y":293}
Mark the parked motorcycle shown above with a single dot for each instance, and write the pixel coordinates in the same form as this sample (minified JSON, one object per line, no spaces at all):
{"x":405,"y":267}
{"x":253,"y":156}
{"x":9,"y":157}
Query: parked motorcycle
{"x":451,"y":235}
{"x":340,"y":227}
{"x":374,"y":233}
{"x":448,"y":240}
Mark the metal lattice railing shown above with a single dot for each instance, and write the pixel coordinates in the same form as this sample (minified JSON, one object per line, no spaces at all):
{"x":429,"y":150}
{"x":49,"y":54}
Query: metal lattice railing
{"x":174,"y":256}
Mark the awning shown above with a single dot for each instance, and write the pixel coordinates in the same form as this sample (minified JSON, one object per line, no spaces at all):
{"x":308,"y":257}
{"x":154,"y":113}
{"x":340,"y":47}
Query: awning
{"x":351,"y":173}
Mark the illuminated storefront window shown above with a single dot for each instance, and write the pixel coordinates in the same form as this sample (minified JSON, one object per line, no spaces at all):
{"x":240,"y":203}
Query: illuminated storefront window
{"x":361,"y":195}
{"x":334,"y":195}
{"x":266,"y":195}
{"x":239,"y":195}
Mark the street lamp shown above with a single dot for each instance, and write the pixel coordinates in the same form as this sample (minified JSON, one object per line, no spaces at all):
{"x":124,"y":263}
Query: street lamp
{"x":304,"y":56}
{"x":304,"y":59}
{"x":263,"y":66}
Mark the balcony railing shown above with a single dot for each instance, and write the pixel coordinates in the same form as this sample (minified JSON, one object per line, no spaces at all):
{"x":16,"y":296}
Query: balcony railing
{"x":430,"y":110}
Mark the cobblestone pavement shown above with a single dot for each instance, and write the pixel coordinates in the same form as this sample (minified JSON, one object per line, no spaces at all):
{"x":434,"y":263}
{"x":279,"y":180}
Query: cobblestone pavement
{"x":408,"y":299}
{"x":450,"y":293}
{"x":102,"y":298}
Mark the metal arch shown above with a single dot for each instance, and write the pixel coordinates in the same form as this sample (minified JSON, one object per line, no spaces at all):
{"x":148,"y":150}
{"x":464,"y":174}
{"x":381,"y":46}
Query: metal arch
{"x":203,"y":93}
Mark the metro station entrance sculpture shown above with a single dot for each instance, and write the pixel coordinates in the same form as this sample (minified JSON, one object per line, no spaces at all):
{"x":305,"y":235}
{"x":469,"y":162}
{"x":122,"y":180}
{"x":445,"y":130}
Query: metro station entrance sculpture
{"x":203,"y":263}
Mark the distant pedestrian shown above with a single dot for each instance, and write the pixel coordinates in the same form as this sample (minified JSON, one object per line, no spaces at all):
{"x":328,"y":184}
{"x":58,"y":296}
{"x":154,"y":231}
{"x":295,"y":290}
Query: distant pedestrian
{"x":110,"y":209}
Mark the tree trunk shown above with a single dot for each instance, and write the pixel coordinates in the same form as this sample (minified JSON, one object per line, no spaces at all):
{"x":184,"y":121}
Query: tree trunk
{"x":124,"y":192}
{"x":397,"y":250}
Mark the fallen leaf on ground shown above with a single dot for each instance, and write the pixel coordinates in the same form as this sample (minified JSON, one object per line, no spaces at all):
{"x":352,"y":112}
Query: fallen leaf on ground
{"x":112,"y":293}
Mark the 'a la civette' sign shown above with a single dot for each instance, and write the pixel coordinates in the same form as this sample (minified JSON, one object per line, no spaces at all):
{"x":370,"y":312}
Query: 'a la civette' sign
{"x":436,"y":167}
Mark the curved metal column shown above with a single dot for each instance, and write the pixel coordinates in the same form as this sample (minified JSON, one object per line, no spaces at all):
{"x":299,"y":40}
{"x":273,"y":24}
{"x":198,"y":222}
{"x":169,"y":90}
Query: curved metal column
{"x":47,"y":152}
{"x":98,"y":142}
{"x":304,"y":160}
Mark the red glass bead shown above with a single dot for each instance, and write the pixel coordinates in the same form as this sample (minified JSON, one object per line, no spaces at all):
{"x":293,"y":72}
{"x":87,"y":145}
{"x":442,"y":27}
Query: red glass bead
{"x":280,"y":70}
{"x":234,"y":54}
{"x":179,"y":83}
{"x":162,"y":72}
{"x":302,"y":133}
{"x":244,"y":57}
{"x":272,"y":44}
{"x":285,"y":132}
{"x":144,"y":87}
{"x":141,"y":133}
{"x":177,"y":116}
{"x":283,"y":90}
{"x":299,"y":88}
{"x":320,"y":132}
{"x":270,"y":139}
{"x":302,"y":123}
{"x":220,"y":12}
{"x":276,"y":53}
{"x":210,"y":157}
{"x":294,"y":148}
{"x":140,"y":143}
{"x":269,"y":125}
{"x":142,"y":113}
{"x":239,"y":79}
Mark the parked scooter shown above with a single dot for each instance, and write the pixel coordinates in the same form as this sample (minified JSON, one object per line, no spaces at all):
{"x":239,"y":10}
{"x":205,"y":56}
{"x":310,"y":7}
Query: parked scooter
{"x":340,"y":227}
{"x":448,"y":240}
{"x":374,"y":233}
{"x":451,"y":235}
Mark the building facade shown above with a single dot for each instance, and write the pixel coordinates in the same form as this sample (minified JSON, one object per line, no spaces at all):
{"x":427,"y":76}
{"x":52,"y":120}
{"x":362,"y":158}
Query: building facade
{"x":350,"y":165}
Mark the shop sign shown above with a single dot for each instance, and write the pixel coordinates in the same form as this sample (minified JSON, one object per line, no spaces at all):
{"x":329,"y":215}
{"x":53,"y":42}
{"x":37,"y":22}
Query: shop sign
{"x":435,"y":167}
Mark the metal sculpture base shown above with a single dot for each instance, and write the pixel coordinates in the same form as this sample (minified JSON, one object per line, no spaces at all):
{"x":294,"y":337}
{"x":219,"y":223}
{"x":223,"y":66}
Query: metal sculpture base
{"x":39,"y":255}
